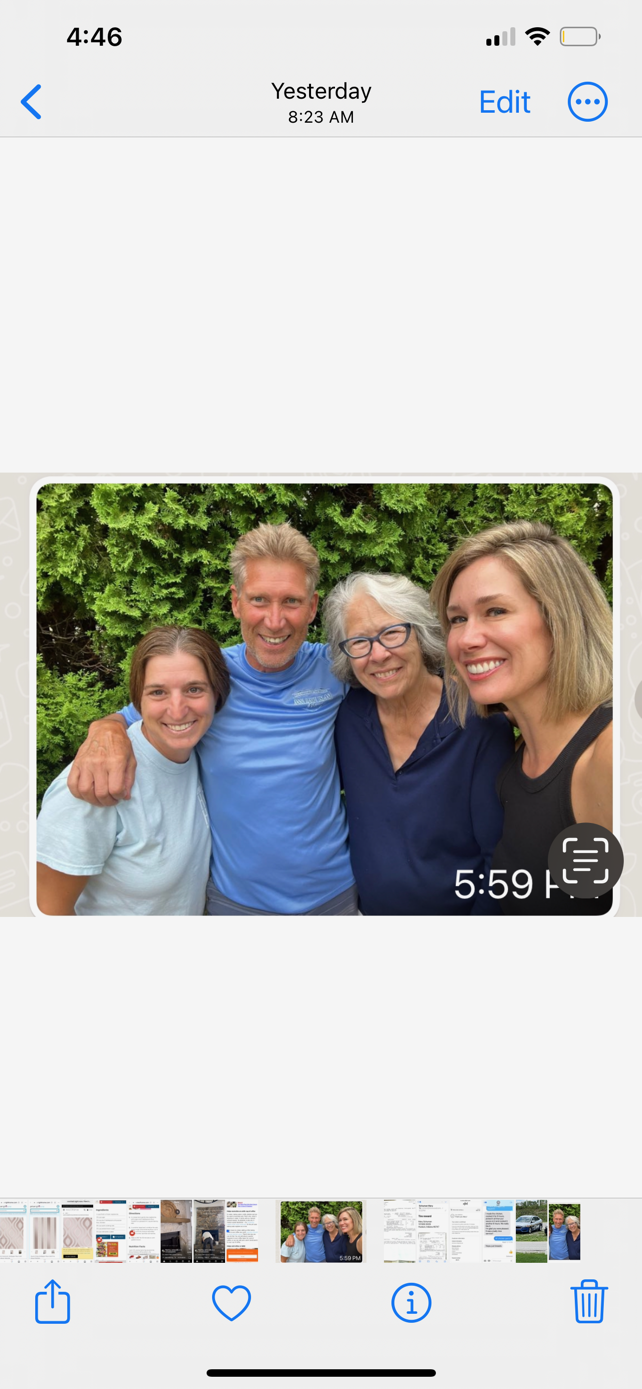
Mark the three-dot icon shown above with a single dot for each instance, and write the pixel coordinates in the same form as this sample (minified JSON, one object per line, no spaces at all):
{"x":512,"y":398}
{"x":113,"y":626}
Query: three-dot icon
{"x":587,"y":101}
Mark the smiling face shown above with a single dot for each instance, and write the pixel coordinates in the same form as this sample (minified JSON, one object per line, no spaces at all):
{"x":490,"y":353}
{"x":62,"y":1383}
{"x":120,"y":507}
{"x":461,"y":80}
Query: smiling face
{"x":346,"y":1223}
{"x":314,"y":1218}
{"x":498,"y":639}
{"x":300,"y":1230}
{"x":275,"y":610}
{"x":387,"y":674}
{"x":558,"y":1219}
{"x":177,"y":704}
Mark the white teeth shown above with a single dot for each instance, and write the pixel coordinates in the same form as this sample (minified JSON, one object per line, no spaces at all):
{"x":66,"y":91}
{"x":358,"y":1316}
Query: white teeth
{"x":275,"y":641}
{"x":179,"y":727}
{"x":483,"y":667}
{"x":385,"y":674}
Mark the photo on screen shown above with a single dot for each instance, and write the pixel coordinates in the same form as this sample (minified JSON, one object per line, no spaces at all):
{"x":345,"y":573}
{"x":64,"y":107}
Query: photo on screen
{"x":209,"y":1232}
{"x":77,"y":1230}
{"x":143,"y":1233}
{"x":498,"y":1239}
{"x":44,"y":1235}
{"x":321,"y":1232}
{"x":416,"y":1230}
{"x":12,"y":1236}
{"x":242,"y":1231}
{"x":530,"y":1232}
{"x":176,"y":1232}
{"x":564,"y":1218}
{"x":305,"y":620}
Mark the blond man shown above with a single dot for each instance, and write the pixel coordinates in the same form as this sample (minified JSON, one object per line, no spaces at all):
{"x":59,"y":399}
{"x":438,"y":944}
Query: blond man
{"x":267,"y":762}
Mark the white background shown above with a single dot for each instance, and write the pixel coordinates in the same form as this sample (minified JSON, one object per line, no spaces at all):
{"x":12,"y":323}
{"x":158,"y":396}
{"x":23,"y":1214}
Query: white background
{"x":378,"y":306}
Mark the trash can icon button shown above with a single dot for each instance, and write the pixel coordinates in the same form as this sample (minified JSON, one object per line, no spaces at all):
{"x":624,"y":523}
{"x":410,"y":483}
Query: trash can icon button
{"x":589,"y":1301}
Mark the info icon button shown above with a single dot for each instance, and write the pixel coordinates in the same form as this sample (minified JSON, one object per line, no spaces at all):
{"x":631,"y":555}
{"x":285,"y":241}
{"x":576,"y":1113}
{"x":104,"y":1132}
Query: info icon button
{"x":411,"y":1302}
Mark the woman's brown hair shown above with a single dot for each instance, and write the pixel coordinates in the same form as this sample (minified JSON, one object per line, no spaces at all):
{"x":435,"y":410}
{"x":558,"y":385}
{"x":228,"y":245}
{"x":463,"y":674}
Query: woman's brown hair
{"x":164,"y":641}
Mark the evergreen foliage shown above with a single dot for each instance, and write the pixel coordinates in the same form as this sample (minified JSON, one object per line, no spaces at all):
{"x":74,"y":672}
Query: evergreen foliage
{"x":568,"y":1207}
{"x":292,"y":1211}
{"x":115,"y":559}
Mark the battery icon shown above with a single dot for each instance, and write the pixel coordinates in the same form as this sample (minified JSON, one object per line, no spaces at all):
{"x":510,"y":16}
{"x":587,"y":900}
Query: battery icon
{"x":585,"y":37}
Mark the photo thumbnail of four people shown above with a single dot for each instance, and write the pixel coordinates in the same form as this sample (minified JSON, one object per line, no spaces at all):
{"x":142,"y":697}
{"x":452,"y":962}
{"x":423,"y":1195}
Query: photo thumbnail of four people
{"x":325,"y":1238}
{"x":433,"y":733}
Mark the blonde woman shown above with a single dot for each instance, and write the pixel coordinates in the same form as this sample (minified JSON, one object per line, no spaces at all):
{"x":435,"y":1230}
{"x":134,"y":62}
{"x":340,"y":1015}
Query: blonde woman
{"x":351,"y":1225}
{"x":529,"y":630}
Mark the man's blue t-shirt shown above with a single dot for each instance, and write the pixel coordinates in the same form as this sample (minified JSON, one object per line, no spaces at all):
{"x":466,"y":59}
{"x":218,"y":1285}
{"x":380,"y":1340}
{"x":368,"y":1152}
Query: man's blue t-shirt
{"x":558,"y":1248}
{"x":314,"y":1250}
{"x":269,"y":773}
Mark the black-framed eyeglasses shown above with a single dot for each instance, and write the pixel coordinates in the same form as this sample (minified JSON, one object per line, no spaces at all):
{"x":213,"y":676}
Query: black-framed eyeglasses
{"x":390,"y":637}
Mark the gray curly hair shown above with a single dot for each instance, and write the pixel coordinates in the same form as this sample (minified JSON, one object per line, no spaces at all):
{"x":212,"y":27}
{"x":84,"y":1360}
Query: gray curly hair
{"x":405,"y":601}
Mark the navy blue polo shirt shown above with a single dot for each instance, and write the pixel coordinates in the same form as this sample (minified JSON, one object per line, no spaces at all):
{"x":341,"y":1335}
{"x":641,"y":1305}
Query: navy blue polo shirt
{"x":411,"y":830}
{"x":334,"y":1248}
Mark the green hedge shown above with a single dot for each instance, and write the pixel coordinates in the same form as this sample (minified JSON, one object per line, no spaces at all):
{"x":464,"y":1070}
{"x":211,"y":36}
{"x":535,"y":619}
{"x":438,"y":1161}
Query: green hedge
{"x":569,"y":1208}
{"x":115,"y":559}
{"x":292,"y":1211}
{"x":66,"y":705}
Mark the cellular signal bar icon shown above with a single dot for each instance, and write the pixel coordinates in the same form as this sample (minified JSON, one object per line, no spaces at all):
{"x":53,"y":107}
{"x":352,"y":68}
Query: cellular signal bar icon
{"x":496,"y":40}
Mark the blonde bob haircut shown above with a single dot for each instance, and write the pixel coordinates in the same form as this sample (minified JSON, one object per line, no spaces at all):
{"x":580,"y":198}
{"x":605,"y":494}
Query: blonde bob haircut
{"x":572,"y":605}
{"x":357,"y":1223}
{"x":166,"y":641}
{"x":282,"y":542}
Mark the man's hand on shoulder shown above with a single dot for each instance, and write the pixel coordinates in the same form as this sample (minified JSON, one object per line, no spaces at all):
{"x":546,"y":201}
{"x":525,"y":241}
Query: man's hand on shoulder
{"x":290,"y":1241}
{"x":105,"y":766}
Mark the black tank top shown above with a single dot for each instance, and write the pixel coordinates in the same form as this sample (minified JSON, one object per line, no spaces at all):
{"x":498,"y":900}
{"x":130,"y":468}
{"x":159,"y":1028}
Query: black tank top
{"x":352,"y":1253}
{"x":535,"y":810}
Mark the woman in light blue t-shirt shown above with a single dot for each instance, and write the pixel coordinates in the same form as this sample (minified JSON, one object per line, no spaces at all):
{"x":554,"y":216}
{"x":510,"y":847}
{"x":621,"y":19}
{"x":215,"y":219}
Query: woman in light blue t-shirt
{"x":149,"y":855}
{"x":295,"y":1253}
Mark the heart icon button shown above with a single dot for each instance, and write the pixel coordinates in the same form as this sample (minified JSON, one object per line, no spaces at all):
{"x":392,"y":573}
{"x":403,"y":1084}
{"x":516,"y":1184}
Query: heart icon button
{"x":231,"y":1302}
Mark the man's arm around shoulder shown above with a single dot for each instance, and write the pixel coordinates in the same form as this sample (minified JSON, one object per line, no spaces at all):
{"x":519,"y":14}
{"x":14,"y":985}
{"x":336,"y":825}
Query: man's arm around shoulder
{"x":104,"y":767}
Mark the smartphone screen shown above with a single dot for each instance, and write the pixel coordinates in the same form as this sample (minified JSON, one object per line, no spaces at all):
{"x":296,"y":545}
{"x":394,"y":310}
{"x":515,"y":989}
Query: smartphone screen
{"x":320,"y":528}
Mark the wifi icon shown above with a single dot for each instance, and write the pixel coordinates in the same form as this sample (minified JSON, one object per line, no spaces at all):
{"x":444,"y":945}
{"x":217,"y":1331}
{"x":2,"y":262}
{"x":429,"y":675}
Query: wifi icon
{"x":537,"y":34}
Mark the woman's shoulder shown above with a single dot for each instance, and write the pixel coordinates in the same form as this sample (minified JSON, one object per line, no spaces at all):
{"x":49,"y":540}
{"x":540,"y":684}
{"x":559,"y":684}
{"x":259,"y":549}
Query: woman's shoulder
{"x":599,"y":756}
{"x":57,"y":790}
{"x":358,"y":704}
{"x":58,"y":801}
{"x":601,"y":749}
{"x":592,"y":785}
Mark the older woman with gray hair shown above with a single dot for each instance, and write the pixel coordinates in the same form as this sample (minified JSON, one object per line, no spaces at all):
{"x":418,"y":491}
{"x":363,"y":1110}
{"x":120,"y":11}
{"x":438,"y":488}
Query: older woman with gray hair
{"x":572,"y":1236}
{"x":334,"y":1243}
{"x":423,"y":814}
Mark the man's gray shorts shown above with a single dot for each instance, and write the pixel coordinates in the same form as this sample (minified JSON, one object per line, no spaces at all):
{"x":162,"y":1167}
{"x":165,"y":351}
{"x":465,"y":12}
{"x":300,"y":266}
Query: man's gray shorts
{"x":345,"y":904}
